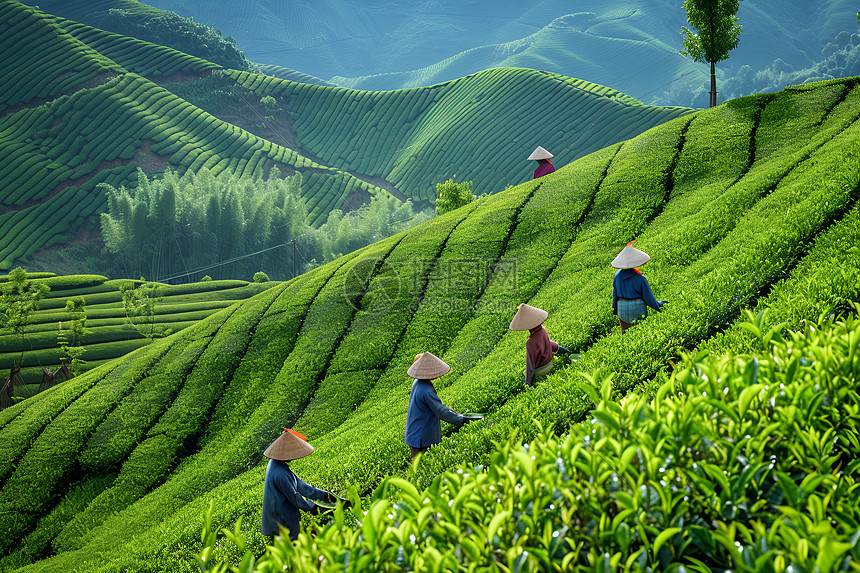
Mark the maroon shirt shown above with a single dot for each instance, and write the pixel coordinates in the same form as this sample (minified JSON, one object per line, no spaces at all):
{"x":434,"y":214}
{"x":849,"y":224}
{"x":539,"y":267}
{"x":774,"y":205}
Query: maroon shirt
{"x":543,"y":168}
{"x":539,"y":351}
{"x":539,"y":347}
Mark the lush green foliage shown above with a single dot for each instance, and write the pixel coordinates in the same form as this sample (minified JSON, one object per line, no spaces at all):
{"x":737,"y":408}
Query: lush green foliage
{"x":66,"y":134}
{"x":26,"y":73}
{"x":292,"y":75}
{"x":742,"y":206}
{"x":717,"y":29}
{"x":717,"y":33}
{"x":200,"y":221}
{"x":19,"y":299}
{"x":137,"y":56}
{"x":86,"y":315}
{"x":405,"y":135}
{"x":451,"y":195}
{"x":55,"y":155}
{"x":740,"y":462}
{"x":71,"y":345}
{"x":162,"y":27}
{"x":233,"y":225}
{"x":139,"y":302}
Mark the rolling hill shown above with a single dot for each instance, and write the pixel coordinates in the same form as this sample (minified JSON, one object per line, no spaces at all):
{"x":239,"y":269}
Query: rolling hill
{"x":751,"y":204}
{"x":82,"y":106}
{"x":608,"y":48}
{"x":384,"y":46}
{"x":112,"y":333}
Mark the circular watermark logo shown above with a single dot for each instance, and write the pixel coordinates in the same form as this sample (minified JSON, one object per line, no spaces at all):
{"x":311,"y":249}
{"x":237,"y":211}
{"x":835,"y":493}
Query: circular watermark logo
{"x":371,"y":285}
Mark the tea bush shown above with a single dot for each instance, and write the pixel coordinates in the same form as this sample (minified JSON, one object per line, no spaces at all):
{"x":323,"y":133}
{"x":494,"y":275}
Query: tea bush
{"x":137,"y":56}
{"x":26,"y":47}
{"x":742,"y":462}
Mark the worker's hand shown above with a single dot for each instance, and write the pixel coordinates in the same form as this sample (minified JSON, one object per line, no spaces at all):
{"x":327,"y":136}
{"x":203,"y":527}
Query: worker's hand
{"x":334,"y":498}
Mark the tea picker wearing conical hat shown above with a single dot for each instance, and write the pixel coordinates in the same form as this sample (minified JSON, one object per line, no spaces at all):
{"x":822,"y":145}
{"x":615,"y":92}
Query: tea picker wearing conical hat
{"x":539,"y":348}
{"x":423,"y":426}
{"x":631,"y":293}
{"x":284,"y":494}
{"x":542,"y":156}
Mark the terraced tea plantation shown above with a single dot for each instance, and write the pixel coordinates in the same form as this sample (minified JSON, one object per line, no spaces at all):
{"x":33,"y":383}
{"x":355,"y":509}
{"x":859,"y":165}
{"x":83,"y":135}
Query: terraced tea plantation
{"x":478,"y":128}
{"x":81,"y":106}
{"x":750,"y":205}
{"x":112,"y":332}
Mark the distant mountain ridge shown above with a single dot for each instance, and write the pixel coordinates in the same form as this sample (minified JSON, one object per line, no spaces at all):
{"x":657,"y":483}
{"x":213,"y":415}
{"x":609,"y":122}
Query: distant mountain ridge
{"x":363,"y":42}
{"x":567,"y":43}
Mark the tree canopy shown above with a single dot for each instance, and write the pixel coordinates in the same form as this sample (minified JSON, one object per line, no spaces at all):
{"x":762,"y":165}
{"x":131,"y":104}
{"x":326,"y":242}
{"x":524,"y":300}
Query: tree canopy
{"x":718,"y":33}
{"x":451,"y":195}
{"x":19,"y":299}
{"x":225,"y":225}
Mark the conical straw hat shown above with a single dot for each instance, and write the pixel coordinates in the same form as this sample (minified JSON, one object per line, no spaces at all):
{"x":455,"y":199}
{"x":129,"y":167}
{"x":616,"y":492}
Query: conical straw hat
{"x":540,"y":153}
{"x":289,"y":446}
{"x":528,"y":317}
{"x":630,"y":257}
{"x":427,"y":367}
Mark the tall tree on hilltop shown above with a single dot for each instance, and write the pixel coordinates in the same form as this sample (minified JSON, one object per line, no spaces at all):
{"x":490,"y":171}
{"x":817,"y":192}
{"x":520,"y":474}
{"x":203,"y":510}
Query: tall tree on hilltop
{"x":718,"y":34}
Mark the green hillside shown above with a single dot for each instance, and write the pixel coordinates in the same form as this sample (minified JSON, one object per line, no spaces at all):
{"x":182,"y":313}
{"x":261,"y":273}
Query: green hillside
{"x":749,"y":204}
{"x":478,"y":128}
{"x":293,"y":75}
{"x":112,"y":333}
{"x":83,"y":106}
{"x":56,"y":150}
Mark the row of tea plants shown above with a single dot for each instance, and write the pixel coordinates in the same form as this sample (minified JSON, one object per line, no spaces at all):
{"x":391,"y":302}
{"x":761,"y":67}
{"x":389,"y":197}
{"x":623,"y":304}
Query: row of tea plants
{"x":740,"y":462}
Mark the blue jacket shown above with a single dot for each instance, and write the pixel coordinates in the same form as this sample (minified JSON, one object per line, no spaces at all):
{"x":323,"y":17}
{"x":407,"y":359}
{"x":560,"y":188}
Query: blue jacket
{"x":283,"y":496}
{"x":627,"y":283}
{"x":423,"y":427}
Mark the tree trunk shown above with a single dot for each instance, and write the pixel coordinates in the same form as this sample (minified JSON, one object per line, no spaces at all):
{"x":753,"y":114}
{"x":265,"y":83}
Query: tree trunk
{"x":47,"y":379}
{"x":8,"y":386}
{"x":713,"y":92}
{"x":6,"y":393}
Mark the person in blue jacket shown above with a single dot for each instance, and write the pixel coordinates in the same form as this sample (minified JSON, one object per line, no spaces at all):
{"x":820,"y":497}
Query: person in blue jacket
{"x":631,"y":293}
{"x":284,"y":494}
{"x":423,"y":426}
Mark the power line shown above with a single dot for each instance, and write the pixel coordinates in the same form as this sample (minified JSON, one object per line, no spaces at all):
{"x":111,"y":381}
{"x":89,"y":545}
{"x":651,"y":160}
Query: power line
{"x":227,"y":262}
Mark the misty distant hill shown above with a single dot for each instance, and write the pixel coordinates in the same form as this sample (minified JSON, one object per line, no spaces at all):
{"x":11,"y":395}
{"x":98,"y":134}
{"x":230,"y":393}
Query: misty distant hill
{"x":630,"y":45}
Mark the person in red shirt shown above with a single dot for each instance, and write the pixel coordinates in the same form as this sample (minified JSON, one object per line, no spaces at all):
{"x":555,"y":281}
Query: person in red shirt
{"x":542,"y":156}
{"x":539,"y":348}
